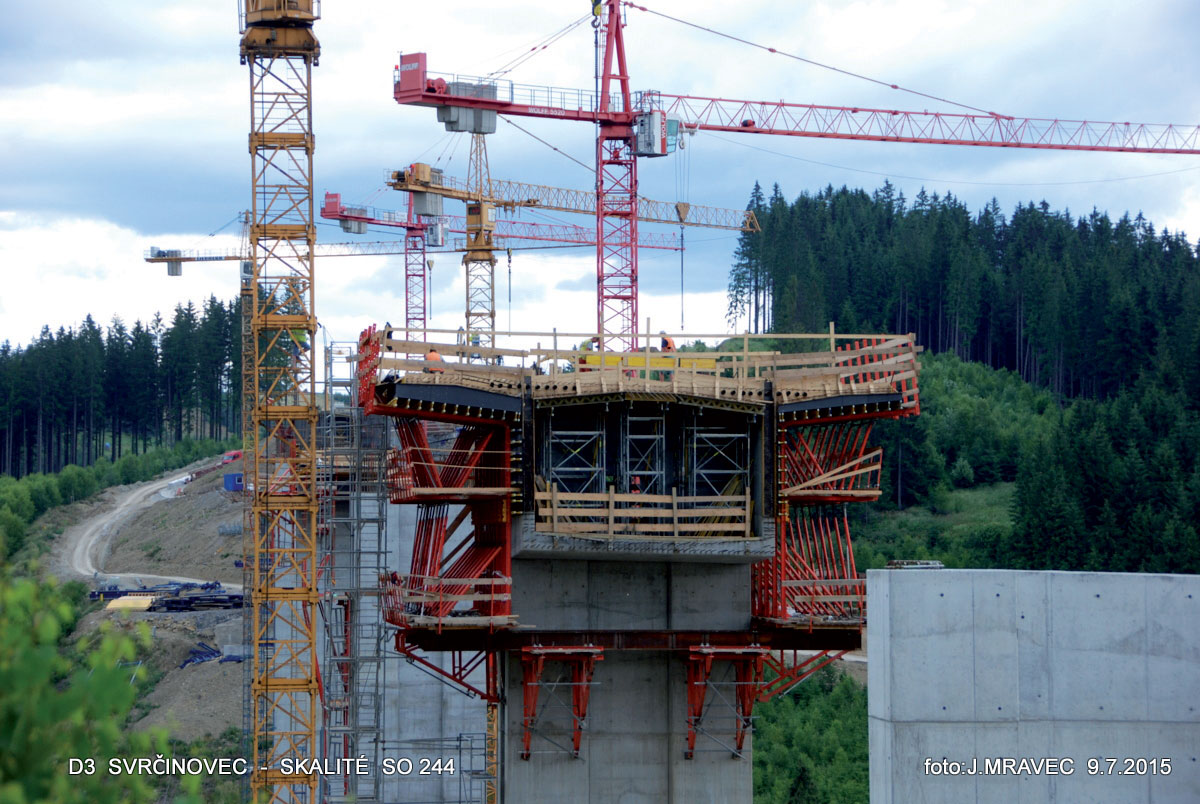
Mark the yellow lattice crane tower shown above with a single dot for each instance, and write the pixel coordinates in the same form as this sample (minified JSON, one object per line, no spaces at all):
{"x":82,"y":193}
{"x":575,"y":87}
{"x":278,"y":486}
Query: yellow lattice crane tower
{"x":280,"y":449}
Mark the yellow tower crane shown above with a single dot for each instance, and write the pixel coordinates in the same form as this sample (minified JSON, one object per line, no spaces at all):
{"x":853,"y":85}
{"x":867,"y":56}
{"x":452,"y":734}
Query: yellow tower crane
{"x":483,"y":195}
{"x":280,"y":421}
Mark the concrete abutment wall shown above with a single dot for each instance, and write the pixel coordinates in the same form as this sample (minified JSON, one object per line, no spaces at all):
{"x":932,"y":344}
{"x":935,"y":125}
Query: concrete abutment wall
{"x":970,"y":665}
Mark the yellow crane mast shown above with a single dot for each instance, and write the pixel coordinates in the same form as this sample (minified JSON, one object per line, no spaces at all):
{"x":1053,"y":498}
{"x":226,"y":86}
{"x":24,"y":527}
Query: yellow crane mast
{"x":280,"y":543}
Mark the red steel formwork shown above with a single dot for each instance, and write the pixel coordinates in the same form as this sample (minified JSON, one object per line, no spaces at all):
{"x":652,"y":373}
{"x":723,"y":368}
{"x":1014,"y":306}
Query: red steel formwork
{"x":823,"y":463}
{"x":807,"y":600}
{"x":581,"y":660}
{"x":456,"y":579}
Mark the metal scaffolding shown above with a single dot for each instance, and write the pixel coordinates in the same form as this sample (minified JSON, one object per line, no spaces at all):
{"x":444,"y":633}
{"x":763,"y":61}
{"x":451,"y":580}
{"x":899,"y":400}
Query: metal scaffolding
{"x":645,"y":454}
{"x":718,"y":460}
{"x":574,"y":459}
{"x":464,"y":757}
{"x":353,"y":554}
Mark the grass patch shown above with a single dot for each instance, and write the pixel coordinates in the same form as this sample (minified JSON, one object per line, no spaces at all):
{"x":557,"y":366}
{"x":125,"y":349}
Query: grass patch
{"x":960,"y":528}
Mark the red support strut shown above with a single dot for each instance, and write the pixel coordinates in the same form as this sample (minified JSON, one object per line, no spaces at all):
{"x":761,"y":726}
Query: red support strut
{"x":582,"y":661}
{"x":748,"y":675}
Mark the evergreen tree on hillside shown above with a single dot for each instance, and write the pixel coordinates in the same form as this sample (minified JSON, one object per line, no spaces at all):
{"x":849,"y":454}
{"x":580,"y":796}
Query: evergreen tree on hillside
{"x":745,"y":279}
{"x":76,"y":395}
{"x":1073,"y":305}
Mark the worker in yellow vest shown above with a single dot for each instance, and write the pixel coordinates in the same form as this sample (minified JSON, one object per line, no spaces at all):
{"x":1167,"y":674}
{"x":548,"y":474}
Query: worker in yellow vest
{"x":592,"y":344}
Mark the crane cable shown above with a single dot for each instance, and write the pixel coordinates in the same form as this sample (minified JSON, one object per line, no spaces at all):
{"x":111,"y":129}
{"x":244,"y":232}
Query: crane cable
{"x":683,"y":186}
{"x":814,"y":63}
{"x":589,"y":168}
{"x":537,"y":48}
{"x":948,"y":181}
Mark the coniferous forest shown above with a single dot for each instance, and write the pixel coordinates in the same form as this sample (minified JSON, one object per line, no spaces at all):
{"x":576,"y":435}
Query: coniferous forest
{"x":1060,"y":406}
{"x":1065,"y":357}
{"x":1079,"y":305}
{"x":78,"y":394}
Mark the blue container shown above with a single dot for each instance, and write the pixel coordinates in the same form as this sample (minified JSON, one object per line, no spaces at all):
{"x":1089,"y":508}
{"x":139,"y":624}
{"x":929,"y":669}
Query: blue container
{"x":233,"y":481}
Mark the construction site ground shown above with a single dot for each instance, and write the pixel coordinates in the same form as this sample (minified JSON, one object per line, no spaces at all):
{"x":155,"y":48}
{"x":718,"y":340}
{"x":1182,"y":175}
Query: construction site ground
{"x":189,"y":702}
{"x":134,"y":532}
{"x":178,"y":537}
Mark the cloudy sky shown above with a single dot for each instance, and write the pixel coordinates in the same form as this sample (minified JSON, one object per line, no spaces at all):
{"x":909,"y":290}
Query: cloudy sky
{"x":124,"y":126}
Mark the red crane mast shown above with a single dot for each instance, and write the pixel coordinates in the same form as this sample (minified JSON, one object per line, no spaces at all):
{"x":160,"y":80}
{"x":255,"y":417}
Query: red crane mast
{"x":633,"y":124}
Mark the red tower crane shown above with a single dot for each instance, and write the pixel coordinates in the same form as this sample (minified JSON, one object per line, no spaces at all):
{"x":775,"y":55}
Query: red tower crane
{"x":633,"y":124}
{"x":819,"y":462}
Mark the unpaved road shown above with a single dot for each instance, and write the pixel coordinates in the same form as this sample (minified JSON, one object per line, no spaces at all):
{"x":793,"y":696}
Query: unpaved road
{"x":84,"y":542}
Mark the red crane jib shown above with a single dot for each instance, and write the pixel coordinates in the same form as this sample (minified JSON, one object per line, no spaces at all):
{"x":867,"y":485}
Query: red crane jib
{"x":415,"y":86}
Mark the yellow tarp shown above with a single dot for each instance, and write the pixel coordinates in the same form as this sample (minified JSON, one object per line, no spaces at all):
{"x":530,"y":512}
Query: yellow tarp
{"x":131,"y":602}
{"x":693,"y":363}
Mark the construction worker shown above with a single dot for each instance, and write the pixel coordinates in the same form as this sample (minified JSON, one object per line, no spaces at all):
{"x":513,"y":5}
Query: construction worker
{"x":299,"y":343}
{"x":590,"y":345}
{"x":433,"y":356}
{"x":667,"y":344}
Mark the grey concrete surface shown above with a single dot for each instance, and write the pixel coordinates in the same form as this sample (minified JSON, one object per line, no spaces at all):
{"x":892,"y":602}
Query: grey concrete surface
{"x":975,"y":665}
{"x":632,"y":750}
{"x":600,"y":595}
{"x":424,"y":716}
{"x":633,"y":745}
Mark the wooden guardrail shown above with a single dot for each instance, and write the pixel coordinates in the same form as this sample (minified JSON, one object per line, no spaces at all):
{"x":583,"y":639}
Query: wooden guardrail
{"x":644,"y":516}
{"x":853,"y":364}
{"x":434,"y":599}
{"x":821,"y":593}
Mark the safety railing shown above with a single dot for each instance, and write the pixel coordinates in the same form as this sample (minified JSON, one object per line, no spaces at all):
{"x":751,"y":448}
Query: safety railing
{"x":826,"y":598}
{"x":504,"y":91}
{"x":435,"y":601}
{"x":644,"y":516}
{"x":560,"y":364}
{"x":415,"y":473}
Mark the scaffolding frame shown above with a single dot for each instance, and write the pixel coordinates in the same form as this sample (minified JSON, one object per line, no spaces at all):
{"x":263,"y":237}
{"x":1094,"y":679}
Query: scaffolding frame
{"x":644,"y":454}
{"x":575,"y":459}
{"x":719,"y":460}
{"x":352,"y":531}
{"x":470,"y":754}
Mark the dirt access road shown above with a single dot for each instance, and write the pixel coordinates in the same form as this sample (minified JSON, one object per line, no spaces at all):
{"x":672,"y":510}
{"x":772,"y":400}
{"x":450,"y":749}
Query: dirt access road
{"x":85,"y":544}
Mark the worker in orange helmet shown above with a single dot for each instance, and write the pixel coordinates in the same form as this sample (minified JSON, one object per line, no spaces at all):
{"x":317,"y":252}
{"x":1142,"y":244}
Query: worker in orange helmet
{"x":433,"y":356}
{"x":667,"y":345}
